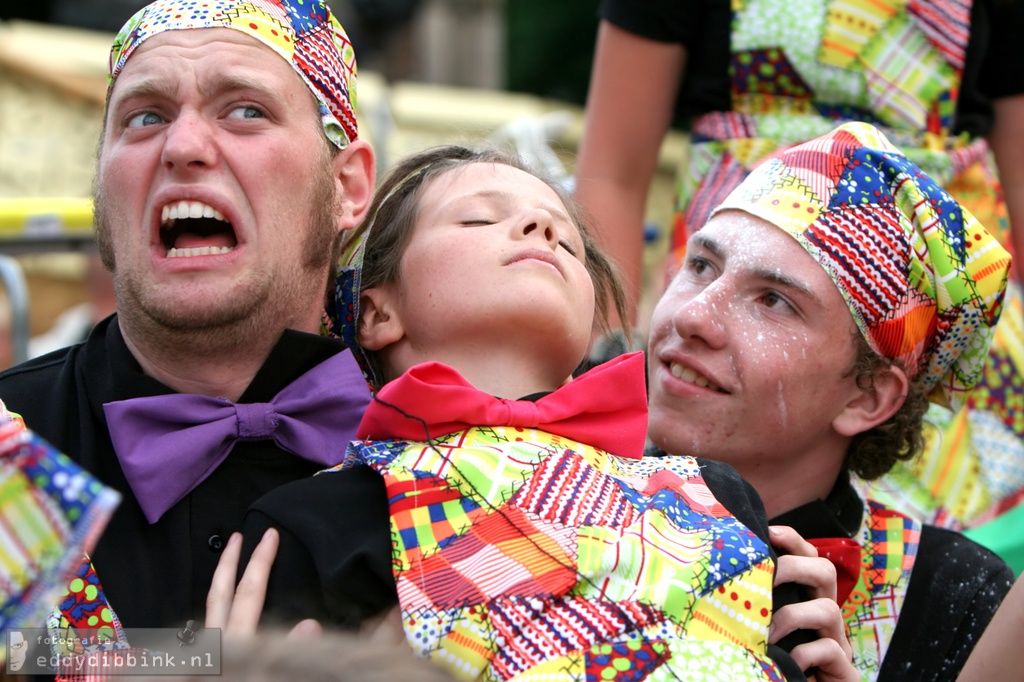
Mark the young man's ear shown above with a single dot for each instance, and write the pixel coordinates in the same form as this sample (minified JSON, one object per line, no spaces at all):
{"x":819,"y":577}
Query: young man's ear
{"x":874,"y":404}
{"x":355,"y":173}
{"x":379,"y":326}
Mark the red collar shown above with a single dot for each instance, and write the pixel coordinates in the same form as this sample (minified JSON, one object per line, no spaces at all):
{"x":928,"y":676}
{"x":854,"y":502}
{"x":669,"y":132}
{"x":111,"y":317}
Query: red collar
{"x":605,"y":407}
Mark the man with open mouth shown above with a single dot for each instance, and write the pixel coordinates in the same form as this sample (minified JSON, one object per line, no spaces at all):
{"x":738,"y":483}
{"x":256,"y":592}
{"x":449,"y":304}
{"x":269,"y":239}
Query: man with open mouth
{"x":228,"y":167}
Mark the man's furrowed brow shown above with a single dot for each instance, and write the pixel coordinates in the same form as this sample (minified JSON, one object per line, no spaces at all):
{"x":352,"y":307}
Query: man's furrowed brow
{"x":144,"y":88}
{"x":224,"y":83}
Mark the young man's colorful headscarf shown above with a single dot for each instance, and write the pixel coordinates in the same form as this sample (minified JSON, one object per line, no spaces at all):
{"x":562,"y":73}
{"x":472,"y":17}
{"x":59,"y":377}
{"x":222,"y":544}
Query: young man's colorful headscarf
{"x":303,"y":32}
{"x":922,"y":278}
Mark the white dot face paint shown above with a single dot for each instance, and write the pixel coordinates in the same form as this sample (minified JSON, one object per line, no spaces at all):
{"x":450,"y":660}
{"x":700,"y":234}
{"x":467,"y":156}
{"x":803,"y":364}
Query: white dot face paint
{"x":749,"y":347}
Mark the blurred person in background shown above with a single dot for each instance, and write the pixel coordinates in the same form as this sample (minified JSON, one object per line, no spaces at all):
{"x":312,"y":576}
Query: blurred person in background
{"x":74,"y":324}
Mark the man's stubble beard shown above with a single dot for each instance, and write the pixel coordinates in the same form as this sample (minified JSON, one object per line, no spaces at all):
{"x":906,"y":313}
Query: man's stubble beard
{"x":265,"y":306}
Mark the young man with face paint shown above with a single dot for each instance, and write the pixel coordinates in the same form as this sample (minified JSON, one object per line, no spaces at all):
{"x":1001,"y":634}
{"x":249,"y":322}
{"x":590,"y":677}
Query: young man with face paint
{"x":829,"y":297}
{"x":228,"y":168}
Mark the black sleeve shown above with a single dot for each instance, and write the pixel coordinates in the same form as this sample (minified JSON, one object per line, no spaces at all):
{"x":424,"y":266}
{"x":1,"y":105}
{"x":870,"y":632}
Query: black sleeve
{"x":1002,"y":67}
{"x":334,"y":560}
{"x":665,"y":22}
{"x":993,"y":64}
{"x":43,"y":392}
{"x":955,"y":588}
{"x":738,"y":496}
{"x":703,"y":28}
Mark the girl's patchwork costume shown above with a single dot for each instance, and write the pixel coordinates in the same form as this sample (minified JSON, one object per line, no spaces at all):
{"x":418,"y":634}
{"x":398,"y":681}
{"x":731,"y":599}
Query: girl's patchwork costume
{"x":523,"y":550}
{"x":518,"y":548}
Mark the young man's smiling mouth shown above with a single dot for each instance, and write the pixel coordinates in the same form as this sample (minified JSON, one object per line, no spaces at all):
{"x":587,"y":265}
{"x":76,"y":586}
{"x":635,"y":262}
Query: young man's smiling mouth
{"x":691,"y":376}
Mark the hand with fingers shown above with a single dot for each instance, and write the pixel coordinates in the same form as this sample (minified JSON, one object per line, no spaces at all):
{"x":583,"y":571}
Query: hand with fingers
{"x":828,"y":658}
{"x":237,"y":609}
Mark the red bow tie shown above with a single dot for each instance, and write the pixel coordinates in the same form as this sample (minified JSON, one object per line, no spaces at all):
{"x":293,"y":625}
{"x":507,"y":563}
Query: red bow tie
{"x":845,"y":555}
{"x":605,"y":408}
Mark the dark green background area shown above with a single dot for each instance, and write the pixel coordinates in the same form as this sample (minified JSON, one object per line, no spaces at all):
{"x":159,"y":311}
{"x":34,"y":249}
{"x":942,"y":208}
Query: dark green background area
{"x":551,"y":47}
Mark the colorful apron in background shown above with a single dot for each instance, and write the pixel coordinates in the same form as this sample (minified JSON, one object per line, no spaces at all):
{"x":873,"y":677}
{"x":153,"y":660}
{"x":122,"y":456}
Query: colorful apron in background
{"x":799,"y":68}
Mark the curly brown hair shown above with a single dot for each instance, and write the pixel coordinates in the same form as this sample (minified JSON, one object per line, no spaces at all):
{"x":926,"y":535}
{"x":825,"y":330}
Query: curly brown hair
{"x":874,"y":452}
{"x":394,"y":210}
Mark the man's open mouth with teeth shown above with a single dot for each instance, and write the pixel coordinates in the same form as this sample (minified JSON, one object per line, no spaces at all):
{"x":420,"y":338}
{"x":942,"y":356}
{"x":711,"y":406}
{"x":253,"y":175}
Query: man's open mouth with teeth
{"x":191,"y":228}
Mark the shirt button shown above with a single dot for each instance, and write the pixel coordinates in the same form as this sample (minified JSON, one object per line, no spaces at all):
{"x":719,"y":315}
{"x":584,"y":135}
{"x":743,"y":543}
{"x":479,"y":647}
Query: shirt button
{"x":215,"y":543}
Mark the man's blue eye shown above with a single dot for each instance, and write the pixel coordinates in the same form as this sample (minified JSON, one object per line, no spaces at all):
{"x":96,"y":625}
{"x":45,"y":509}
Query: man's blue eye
{"x":147,"y":118}
{"x":246,"y":112}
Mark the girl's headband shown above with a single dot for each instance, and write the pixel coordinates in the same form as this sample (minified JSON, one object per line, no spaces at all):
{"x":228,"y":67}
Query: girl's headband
{"x":342,"y":313}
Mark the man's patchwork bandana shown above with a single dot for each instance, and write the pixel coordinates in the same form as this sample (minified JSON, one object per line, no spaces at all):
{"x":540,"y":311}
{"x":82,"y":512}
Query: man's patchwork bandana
{"x":303,"y":32}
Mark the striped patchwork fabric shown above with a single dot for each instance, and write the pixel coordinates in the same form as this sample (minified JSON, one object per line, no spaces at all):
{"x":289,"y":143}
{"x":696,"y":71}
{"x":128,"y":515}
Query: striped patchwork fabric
{"x":303,"y":32}
{"x":923,"y":280}
{"x":521,"y":556}
{"x":51,"y":512}
{"x":906,"y":77}
{"x":889,"y":543}
{"x":850,"y":26}
{"x":947,"y":25}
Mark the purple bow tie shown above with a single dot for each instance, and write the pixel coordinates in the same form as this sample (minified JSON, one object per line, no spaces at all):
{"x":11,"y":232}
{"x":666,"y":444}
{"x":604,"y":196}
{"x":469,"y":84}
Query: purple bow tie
{"x":169,"y":444}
